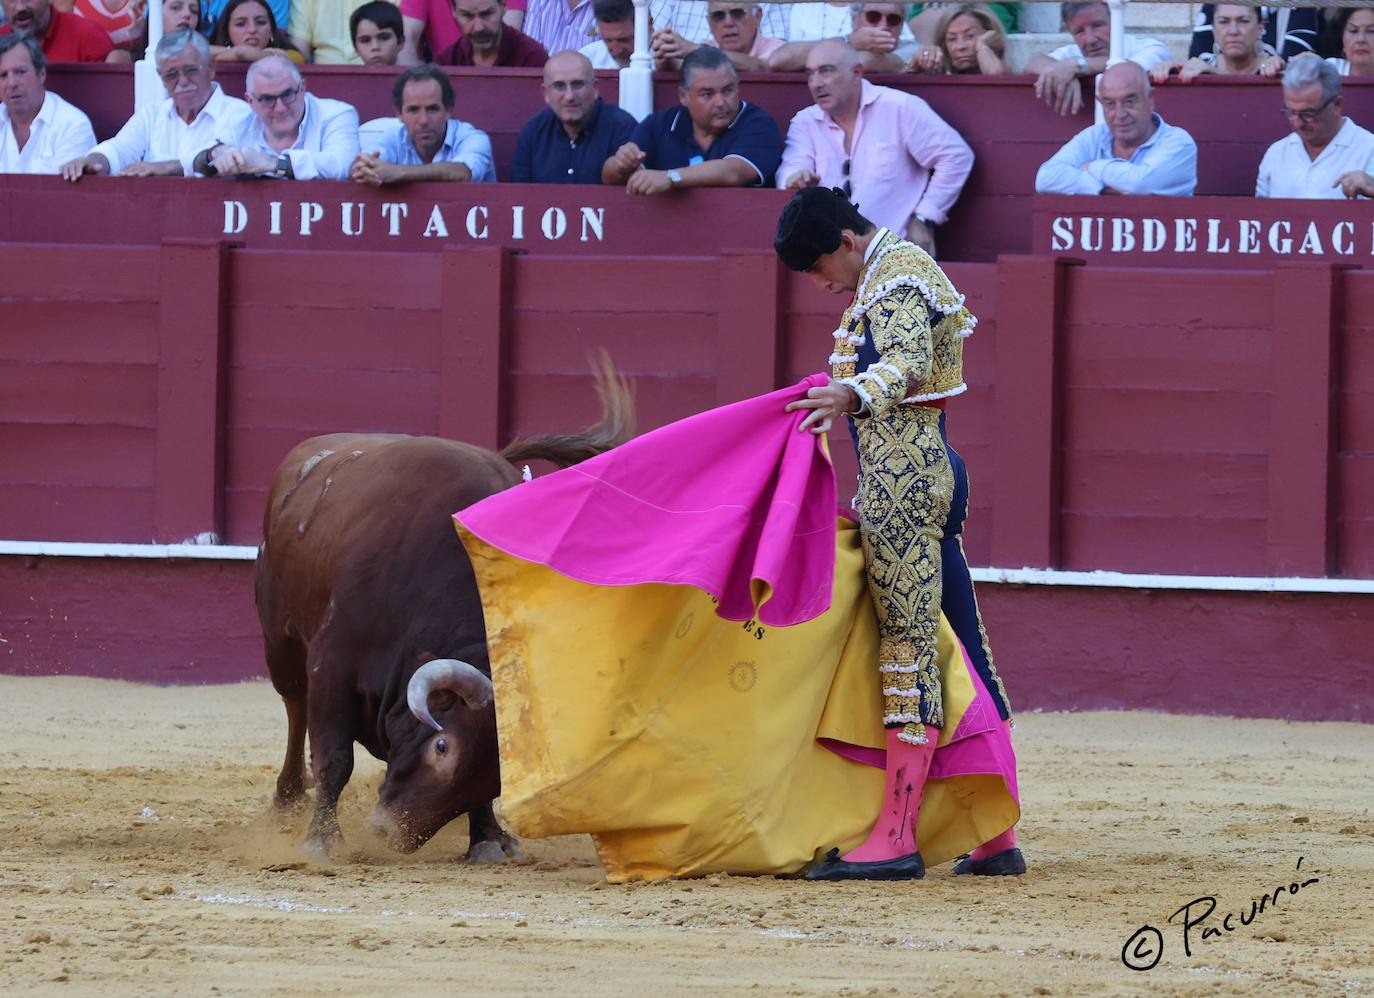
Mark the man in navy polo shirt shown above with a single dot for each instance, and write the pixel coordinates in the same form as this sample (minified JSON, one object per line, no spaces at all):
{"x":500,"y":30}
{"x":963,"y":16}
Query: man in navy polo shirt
{"x":568,"y":141}
{"x":713,"y":139}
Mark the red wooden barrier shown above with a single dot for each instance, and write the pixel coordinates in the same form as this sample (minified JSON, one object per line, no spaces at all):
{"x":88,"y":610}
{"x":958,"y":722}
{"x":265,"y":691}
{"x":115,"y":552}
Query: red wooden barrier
{"x":1158,"y":421}
{"x":1060,"y":648}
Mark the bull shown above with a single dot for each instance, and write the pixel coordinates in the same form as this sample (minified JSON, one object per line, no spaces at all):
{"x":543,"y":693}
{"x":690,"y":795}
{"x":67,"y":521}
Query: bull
{"x":372,"y":624}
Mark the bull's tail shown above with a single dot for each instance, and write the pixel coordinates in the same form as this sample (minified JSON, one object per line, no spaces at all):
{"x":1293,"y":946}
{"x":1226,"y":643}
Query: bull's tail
{"x":616,"y":425}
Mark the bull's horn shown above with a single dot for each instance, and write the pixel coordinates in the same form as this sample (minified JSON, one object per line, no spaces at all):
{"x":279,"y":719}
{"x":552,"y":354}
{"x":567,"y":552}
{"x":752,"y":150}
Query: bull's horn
{"x":446,"y":674}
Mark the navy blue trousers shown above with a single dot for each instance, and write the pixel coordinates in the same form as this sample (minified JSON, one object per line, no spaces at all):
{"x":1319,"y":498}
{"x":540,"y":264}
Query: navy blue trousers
{"x":958,"y":601}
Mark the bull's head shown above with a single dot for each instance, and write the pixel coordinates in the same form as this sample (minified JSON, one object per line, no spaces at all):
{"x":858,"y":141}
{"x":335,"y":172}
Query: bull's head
{"x":445,"y":765}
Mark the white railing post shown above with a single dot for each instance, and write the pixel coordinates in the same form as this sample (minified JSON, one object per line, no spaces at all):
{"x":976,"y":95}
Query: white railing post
{"x":148,"y":87}
{"x":637,"y":79}
{"x":1117,"y":10}
{"x":1117,"y":51}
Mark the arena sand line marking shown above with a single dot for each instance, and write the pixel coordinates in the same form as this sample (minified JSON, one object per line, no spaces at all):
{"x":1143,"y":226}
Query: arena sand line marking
{"x":278,"y":904}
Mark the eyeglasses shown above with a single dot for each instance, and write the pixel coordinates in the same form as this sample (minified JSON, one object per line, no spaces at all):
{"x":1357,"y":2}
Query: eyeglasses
{"x":183,"y":73}
{"x":736,"y":14}
{"x":563,"y":86}
{"x":270,"y":100}
{"x":876,"y":17}
{"x":1307,"y":116}
{"x":847,"y":187}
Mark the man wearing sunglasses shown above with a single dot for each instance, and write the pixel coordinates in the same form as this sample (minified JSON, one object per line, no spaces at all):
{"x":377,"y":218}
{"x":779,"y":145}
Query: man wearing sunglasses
{"x":161,"y":139}
{"x":734,"y":30}
{"x":1324,"y":146}
{"x":879,"y":34}
{"x":292,"y":135}
{"x":885,"y":149}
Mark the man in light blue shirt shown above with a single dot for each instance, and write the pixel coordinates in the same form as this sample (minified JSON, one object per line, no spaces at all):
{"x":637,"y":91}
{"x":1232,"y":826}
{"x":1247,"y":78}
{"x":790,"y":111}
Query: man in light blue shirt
{"x":1135,"y":152}
{"x":424,"y":141}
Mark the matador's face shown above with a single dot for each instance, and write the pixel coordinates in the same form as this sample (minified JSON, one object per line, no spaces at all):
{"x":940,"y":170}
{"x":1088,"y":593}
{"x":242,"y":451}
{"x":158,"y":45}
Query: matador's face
{"x":838,"y":272}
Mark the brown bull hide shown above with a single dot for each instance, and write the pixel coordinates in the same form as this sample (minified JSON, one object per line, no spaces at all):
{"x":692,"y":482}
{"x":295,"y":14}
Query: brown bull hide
{"x":360,"y":579}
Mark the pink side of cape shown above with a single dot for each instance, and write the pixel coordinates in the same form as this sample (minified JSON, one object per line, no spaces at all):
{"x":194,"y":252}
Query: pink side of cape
{"x":981,"y":743}
{"x":734,"y":501}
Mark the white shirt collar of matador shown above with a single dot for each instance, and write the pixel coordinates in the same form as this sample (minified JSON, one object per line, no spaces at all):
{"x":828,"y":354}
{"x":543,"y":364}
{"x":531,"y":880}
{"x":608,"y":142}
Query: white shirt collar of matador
{"x":873,"y":244}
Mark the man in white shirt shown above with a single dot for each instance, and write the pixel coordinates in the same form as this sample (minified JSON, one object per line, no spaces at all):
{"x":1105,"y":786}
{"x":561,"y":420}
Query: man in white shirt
{"x":424,"y":141}
{"x":1324,"y":145}
{"x":39,"y":131}
{"x":615,"y":29}
{"x":1134,"y":152}
{"x":734,"y":30}
{"x":878,"y":31}
{"x":162,"y":139}
{"x":1057,"y":73}
{"x":292,"y":134}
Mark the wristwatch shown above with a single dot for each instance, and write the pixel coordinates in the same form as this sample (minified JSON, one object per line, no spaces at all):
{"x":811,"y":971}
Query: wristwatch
{"x":210,"y":170}
{"x":283,"y":165}
{"x":674,"y":177}
{"x":1082,"y":62}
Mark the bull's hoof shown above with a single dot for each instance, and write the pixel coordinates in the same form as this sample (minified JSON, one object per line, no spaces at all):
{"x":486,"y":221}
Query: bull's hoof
{"x":289,"y":800}
{"x":495,"y":850}
{"x":318,"y":847}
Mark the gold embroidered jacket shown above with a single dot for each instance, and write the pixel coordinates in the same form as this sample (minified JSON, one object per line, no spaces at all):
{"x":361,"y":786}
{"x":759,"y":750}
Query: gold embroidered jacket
{"x":918,"y":323}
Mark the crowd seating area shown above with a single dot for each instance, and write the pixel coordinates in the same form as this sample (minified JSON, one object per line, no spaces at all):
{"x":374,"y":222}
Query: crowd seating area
{"x":951,"y":147}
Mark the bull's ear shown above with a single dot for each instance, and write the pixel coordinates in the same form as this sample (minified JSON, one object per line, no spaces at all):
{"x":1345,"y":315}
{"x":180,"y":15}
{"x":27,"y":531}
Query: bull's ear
{"x":443,"y":701}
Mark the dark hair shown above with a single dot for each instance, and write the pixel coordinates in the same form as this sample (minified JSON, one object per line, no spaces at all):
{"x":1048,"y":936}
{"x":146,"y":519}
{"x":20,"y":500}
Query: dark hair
{"x":705,"y":57}
{"x":613,"y":11}
{"x":812,"y":224}
{"x":139,"y":49}
{"x":1073,"y":7}
{"x":380,"y":13}
{"x":220,"y":36}
{"x":1336,"y":19}
{"x":424,"y":71}
{"x":15,"y":40}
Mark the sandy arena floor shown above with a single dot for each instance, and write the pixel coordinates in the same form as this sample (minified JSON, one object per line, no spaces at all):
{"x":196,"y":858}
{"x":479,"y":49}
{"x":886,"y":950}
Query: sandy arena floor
{"x":138,"y":854}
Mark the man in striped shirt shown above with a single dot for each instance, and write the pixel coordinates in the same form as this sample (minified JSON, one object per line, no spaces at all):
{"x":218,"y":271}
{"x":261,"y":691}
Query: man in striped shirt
{"x":560,"y":24}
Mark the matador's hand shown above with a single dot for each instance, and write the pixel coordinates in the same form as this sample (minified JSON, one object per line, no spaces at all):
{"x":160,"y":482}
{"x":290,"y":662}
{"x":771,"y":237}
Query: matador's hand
{"x":827,"y":403}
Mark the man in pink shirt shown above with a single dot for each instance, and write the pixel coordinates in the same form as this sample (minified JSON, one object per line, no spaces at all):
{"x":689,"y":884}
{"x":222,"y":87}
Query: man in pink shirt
{"x":886,"y":149}
{"x":734,"y":30}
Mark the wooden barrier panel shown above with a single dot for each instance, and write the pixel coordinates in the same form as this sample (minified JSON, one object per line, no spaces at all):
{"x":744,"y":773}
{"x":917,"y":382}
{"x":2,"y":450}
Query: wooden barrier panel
{"x":79,"y":357}
{"x":1253,"y":233}
{"x":1353,"y":389}
{"x":569,"y":220}
{"x":1166,"y":384}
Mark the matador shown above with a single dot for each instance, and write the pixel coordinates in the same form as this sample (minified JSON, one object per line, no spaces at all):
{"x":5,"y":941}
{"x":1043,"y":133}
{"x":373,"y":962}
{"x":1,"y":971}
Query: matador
{"x":898,"y":357}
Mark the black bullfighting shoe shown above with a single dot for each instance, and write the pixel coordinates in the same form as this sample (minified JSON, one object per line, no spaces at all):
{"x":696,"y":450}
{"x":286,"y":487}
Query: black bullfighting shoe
{"x":908,"y":867}
{"x":1007,"y":863}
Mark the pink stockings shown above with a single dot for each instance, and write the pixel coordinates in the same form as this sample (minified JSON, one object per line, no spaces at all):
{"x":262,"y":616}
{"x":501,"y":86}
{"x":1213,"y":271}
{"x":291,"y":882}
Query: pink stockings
{"x":894,"y":833}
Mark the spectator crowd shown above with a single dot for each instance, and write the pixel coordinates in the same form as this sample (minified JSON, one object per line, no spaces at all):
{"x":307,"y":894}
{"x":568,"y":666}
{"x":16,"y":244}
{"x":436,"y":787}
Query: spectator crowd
{"x":884,"y":147}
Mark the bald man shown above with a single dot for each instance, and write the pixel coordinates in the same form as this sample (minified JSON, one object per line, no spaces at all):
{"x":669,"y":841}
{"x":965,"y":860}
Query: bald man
{"x":1134,"y":152}
{"x":887,"y":150}
{"x":569,"y":140}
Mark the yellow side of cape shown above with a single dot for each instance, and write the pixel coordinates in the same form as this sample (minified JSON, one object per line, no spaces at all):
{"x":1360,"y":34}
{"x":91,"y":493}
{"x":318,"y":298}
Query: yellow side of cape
{"x":686,"y":744}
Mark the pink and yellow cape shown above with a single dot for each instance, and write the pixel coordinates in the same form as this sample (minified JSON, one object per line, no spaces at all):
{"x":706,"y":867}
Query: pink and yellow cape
{"x":683,"y":650}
